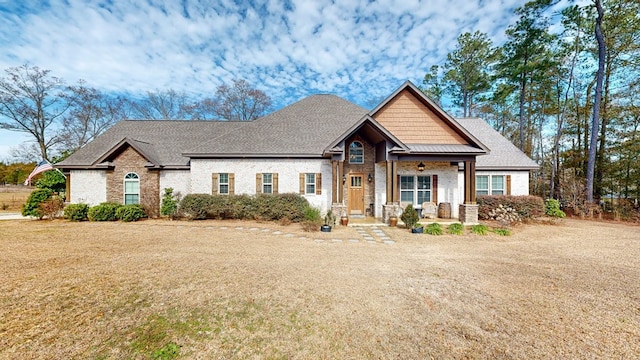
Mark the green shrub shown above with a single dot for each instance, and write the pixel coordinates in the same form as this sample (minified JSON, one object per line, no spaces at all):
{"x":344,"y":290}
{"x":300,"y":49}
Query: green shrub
{"x":329,"y":218}
{"x":434,"y":229}
{"x":103,"y":212}
{"x":410,"y":217}
{"x":312,"y":218}
{"x":527,"y":207}
{"x":32,"y":205}
{"x":195,"y":206}
{"x":76,"y":212}
{"x":480,"y":229}
{"x":130,"y":212}
{"x":169,"y":205}
{"x":456,"y":229}
{"x":502,"y":232}
{"x":280,"y":206}
{"x":552,"y":208}
{"x":52,"y":180}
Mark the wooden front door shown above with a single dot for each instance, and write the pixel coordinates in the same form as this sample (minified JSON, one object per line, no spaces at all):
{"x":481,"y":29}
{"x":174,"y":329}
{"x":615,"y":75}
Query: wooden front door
{"x":356,"y":194}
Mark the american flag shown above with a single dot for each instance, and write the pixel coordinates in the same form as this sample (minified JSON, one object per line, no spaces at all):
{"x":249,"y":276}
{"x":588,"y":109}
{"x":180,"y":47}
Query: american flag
{"x":42,"y":166}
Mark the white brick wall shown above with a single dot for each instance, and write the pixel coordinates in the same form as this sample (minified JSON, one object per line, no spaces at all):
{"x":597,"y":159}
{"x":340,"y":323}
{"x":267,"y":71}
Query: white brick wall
{"x":245,"y":175}
{"x":381,"y":188}
{"x":448,"y":180}
{"x":179,"y":180}
{"x":519,"y":180}
{"x":88,"y":187}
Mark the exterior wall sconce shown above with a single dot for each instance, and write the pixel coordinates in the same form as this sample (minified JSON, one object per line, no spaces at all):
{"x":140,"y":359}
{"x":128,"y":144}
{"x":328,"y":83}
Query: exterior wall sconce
{"x":344,"y":179}
{"x":421,"y":166}
{"x":370,"y":178}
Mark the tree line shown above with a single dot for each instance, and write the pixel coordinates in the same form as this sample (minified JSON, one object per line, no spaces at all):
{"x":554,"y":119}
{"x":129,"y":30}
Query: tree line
{"x":61,"y":118}
{"x":564,"y":92}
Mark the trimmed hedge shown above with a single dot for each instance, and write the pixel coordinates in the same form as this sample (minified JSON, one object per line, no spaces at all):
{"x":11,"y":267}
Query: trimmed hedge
{"x":268,"y":207}
{"x":32,"y":206}
{"x":526,"y":206}
{"x":76,"y":212}
{"x":130,"y":212}
{"x":103,"y":212}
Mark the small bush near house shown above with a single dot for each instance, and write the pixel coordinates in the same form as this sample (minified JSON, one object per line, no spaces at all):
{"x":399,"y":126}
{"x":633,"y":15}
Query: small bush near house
{"x":130,"y":212}
{"x":552,"y":208}
{"x":527,"y":207}
{"x":502,"y":232}
{"x":51,"y":207}
{"x":103,"y":212}
{"x":32,"y":206}
{"x":434,"y":229}
{"x":169,"y":205}
{"x":455,"y":229}
{"x":479,"y":229}
{"x":409,"y":217}
{"x":312,"y":219}
{"x":76,"y":212}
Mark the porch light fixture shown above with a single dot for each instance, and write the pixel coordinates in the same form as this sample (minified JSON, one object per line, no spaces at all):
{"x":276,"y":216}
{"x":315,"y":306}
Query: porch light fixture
{"x":370,"y":178}
{"x":344,"y":178}
{"x":421,"y":166}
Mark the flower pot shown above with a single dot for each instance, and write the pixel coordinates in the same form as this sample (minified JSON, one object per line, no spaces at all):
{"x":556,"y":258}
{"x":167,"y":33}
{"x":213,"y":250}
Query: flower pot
{"x":344,"y":221}
{"x":417,"y":230}
{"x":393,"y":221}
{"x":325,"y":228}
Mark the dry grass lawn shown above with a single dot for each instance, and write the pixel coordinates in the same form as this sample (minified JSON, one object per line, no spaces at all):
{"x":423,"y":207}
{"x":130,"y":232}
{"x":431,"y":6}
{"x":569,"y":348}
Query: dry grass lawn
{"x":161,"y":289}
{"x":13,"y":197}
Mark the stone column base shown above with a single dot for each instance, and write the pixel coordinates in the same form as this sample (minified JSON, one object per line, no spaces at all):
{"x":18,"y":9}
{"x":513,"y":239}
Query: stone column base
{"x":468,"y":213}
{"x":389,"y":209}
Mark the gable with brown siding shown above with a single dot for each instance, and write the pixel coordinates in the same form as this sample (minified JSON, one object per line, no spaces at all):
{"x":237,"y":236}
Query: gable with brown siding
{"x":413,"y":122}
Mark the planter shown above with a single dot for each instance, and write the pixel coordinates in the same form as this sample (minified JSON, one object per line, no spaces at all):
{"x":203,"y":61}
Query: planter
{"x":393,"y":221}
{"x":344,"y":221}
{"x":417,"y":230}
{"x":325,"y":228}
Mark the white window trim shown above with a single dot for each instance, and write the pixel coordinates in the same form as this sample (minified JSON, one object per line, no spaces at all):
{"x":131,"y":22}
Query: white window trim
{"x":129,"y":178}
{"x":361,"y":148}
{"x":220,"y":184}
{"x":264,"y":183}
{"x":415,"y":189}
{"x":490,"y":188}
{"x":308,"y":183}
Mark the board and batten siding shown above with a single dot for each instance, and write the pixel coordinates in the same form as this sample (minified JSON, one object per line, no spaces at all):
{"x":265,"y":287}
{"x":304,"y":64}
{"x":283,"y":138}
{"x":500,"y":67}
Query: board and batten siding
{"x":88,"y":187}
{"x":245,"y":171}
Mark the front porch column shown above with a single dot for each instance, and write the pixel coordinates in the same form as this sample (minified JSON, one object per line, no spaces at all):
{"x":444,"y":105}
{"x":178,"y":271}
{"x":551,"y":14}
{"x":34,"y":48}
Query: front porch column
{"x":337,"y":168}
{"x":392,"y":181}
{"x":468,"y":211}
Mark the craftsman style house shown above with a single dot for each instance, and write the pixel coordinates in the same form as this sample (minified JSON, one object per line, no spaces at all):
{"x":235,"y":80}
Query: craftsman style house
{"x":333,"y":152}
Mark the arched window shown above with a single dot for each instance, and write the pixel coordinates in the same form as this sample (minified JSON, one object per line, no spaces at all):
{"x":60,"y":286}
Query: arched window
{"x":356,"y":153}
{"x":131,"y":188}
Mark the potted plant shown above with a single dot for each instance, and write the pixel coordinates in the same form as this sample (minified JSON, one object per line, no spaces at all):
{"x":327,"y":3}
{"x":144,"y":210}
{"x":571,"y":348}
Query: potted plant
{"x":410,"y":219}
{"x":344,"y":219}
{"x":329,"y":221}
{"x":393,"y":219}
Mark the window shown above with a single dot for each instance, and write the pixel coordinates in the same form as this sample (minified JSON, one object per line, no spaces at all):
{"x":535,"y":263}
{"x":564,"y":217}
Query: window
{"x":356,"y":153}
{"x":415,"y":189}
{"x":310,"y":183}
{"x":131,"y":189}
{"x":490,"y":184}
{"x":223,"y":183}
{"x":267,"y":183}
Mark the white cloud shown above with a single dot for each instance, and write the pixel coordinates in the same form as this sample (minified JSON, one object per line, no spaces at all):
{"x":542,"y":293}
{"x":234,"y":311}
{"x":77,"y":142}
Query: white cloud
{"x":360,"y":50}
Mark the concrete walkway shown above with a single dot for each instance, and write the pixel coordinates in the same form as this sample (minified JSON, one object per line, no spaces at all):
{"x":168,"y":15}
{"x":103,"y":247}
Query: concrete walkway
{"x":12,"y":216}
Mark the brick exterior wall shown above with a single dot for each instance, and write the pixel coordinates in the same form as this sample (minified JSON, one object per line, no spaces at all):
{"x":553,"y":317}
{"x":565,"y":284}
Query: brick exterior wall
{"x":131,"y":161}
{"x":368,"y":167}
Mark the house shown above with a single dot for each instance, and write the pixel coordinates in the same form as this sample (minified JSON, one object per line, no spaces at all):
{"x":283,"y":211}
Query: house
{"x":336,"y":154}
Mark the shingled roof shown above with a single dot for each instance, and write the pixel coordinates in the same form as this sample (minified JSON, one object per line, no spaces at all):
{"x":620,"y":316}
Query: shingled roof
{"x":306,"y":129}
{"x":504,"y":155}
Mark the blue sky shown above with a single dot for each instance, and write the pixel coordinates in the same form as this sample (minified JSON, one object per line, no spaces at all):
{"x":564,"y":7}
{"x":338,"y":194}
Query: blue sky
{"x":359,"y":50}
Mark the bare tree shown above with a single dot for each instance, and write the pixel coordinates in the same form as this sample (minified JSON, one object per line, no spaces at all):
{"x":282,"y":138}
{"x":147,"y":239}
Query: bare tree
{"x":31,"y":101}
{"x":591,"y":163}
{"x":91,"y":113}
{"x":161,"y":105}
{"x":239,"y":102}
